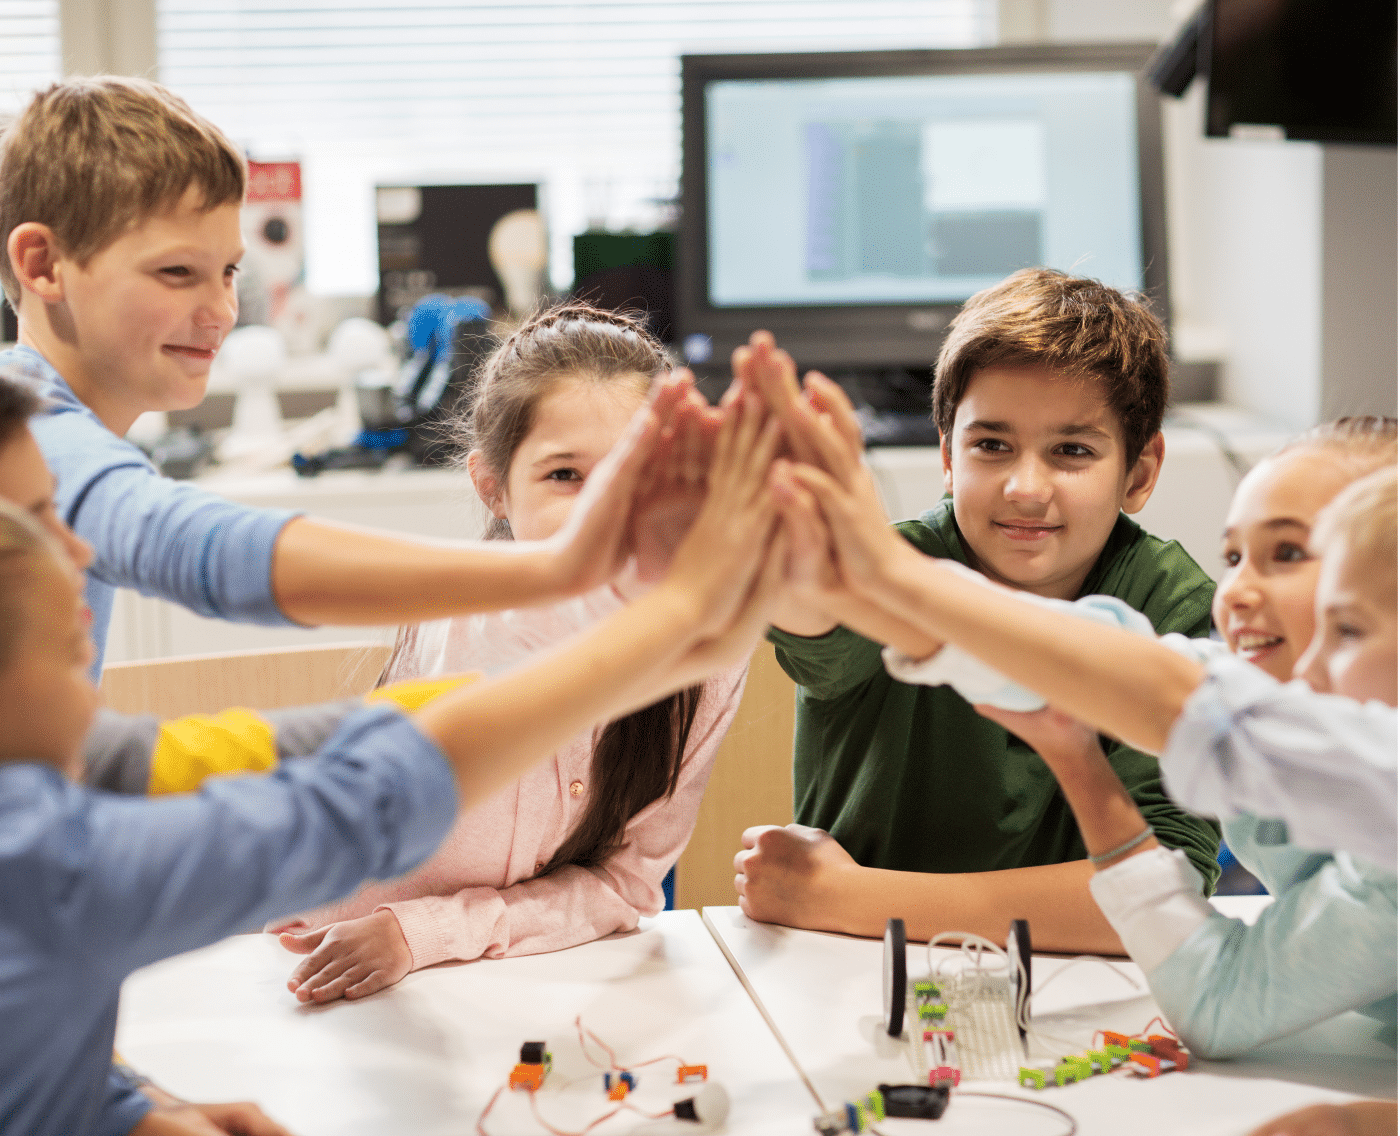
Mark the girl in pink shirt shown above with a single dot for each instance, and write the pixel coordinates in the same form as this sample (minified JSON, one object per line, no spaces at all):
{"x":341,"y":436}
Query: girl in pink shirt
{"x":578,"y":847}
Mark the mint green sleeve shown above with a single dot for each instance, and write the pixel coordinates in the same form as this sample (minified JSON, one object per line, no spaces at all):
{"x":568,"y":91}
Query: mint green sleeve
{"x":1324,"y":946}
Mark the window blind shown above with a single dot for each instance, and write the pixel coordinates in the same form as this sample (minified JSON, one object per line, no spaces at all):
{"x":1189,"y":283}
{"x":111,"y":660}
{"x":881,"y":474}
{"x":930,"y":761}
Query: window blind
{"x":582,"y":97}
{"x":29,"y":52}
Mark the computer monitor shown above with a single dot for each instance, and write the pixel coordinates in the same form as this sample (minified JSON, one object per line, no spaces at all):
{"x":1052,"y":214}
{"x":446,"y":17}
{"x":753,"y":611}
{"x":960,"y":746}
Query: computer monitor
{"x":850,"y":202}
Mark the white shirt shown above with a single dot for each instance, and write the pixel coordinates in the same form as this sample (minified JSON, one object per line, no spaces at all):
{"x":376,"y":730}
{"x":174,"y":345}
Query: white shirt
{"x":1244,"y":742}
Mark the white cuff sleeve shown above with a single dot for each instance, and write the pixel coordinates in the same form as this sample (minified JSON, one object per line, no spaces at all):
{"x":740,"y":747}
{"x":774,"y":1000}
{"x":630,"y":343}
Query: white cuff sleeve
{"x":969,"y":676}
{"x":1154,"y":901}
{"x":979,"y":683}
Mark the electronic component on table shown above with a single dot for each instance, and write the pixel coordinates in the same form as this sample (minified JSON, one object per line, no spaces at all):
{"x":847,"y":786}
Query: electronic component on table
{"x":895,"y":977}
{"x":922,"y":1102}
{"x":535,"y":1063}
{"x":1151,"y":1058}
{"x":708,"y":1108}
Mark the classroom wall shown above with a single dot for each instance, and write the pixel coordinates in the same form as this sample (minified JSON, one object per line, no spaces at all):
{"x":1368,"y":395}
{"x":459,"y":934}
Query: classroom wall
{"x":1283,"y":254}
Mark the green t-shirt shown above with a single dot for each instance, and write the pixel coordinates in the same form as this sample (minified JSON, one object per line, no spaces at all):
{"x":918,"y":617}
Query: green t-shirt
{"x":913,"y":779}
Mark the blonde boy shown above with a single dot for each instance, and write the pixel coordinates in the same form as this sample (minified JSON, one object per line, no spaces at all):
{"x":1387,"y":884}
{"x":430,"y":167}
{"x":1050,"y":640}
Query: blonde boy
{"x":1049,"y":394}
{"x":119,"y":216}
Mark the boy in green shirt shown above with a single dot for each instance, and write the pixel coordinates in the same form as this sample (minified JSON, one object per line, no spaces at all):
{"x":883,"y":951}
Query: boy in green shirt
{"x":1049,"y":394}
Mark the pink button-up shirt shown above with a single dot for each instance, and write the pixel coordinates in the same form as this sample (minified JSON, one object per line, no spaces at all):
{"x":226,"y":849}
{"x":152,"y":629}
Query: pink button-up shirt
{"x":480,"y":893}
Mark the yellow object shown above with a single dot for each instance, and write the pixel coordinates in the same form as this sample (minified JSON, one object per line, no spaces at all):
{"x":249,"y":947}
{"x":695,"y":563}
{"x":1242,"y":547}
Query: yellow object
{"x":202,"y":745}
{"x":416,"y":693}
{"x":238,"y":741}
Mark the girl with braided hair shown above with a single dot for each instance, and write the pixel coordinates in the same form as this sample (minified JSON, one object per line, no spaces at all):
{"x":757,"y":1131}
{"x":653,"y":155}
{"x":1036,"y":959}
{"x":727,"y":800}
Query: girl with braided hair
{"x":578,"y":847}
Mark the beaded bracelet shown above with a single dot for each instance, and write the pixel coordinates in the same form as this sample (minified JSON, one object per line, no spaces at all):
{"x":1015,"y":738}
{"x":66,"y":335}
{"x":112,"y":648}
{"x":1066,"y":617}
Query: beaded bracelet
{"x":1105,"y":857}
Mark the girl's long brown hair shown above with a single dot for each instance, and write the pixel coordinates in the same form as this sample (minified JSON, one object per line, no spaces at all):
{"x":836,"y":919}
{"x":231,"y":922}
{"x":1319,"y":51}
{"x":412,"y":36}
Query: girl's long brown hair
{"x":636,"y":759}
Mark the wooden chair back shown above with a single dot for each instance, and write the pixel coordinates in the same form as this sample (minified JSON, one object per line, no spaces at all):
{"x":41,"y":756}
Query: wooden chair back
{"x":264,"y":680}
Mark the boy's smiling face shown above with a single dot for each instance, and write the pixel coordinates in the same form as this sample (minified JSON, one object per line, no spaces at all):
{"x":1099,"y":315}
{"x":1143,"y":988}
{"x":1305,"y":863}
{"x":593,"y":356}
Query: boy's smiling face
{"x":1038,"y":474}
{"x":137,"y":327}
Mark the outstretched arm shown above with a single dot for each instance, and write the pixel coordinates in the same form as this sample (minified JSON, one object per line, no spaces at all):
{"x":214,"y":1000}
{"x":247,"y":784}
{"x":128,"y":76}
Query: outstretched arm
{"x":1115,"y":681}
{"x":359,"y":955}
{"x":816,"y":599}
{"x":336,"y":574}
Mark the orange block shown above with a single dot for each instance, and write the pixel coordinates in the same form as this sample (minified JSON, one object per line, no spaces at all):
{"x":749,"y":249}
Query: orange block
{"x":618,"y":1091}
{"x":527,"y":1078}
{"x":692,"y":1073}
{"x":1149,"y":1062}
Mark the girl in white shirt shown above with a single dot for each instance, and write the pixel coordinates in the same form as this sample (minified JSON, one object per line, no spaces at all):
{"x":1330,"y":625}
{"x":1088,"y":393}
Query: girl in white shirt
{"x":577,"y":848}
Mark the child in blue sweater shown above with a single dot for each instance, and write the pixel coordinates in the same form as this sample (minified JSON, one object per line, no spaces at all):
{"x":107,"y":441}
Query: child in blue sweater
{"x":93,"y":886}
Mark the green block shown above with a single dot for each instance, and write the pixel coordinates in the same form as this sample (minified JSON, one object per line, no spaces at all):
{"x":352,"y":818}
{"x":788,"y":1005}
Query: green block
{"x":875,"y":1103}
{"x":1032,"y":1078}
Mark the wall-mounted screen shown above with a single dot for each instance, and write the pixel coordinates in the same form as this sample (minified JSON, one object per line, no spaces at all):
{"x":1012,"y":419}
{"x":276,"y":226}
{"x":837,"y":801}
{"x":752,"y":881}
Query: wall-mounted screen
{"x":851,"y":202}
{"x":918,"y":189}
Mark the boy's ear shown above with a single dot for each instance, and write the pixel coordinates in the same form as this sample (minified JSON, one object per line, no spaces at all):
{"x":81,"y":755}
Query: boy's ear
{"x":34,"y":256}
{"x":946,"y":453}
{"x":486,"y":485}
{"x":1142,"y":478}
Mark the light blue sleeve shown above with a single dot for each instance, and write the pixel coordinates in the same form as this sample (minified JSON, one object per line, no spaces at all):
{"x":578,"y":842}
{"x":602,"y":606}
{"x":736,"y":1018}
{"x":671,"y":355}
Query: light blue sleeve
{"x":1324,"y":946}
{"x":1323,"y":763}
{"x":162,"y":537}
{"x":129,"y":881}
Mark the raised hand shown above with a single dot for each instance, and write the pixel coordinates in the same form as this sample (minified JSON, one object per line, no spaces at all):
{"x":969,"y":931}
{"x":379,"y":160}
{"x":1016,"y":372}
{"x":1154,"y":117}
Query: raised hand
{"x":596,"y":541}
{"x":721,"y":554}
{"x":671,"y":488}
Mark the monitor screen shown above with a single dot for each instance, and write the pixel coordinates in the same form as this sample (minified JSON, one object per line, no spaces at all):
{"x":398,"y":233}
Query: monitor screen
{"x":918,"y":189}
{"x":855,"y":201}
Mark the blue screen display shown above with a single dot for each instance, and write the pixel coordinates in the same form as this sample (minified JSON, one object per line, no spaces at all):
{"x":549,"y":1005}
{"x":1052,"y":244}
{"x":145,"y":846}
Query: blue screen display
{"x":918,"y":189}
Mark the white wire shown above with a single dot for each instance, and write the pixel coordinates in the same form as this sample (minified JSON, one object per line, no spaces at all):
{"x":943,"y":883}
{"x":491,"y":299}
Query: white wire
{"x":965,"y":939}
{"x":1128,"y":978}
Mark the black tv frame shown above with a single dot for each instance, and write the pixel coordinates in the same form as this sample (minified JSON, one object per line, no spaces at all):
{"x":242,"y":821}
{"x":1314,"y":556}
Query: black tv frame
{"x":879,"y":336}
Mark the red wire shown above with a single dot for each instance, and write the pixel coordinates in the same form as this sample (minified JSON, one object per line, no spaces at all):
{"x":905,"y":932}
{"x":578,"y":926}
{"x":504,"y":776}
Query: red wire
{"x":534,"y":1108}
{"x":481,"y":1120}
{"x":612,"y":1057}
{"x":1157,"y":1021}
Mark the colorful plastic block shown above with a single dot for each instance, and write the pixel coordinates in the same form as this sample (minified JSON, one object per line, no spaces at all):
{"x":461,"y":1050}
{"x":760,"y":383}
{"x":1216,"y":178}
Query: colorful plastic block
{"x":1032,"y":1078}
{"x":945,"y":1075}
{"x":527,"y":1078}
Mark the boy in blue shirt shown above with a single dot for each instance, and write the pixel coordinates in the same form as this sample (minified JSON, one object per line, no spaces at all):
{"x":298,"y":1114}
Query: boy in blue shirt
{"x":119,"y":217}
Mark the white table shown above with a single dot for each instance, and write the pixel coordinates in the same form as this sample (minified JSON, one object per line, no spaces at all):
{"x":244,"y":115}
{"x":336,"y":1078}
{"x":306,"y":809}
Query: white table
{"x":822,"y":994}
{"x":424,"y":1057}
